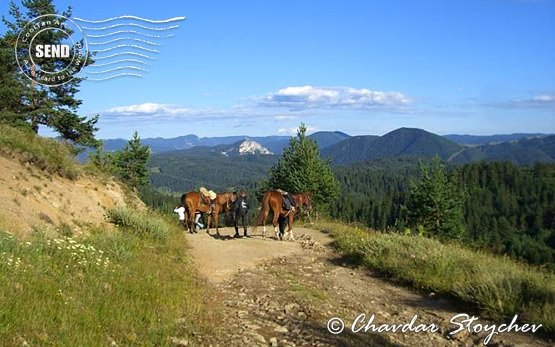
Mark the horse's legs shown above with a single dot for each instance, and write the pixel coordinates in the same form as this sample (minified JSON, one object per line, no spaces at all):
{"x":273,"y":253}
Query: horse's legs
{"x":208,"y":221}
{"x":191,"y":222}
{"x":275,"y":222}
{"x":216,"y":218}
{"x":290,"y":229}
{"x":264,"y":218}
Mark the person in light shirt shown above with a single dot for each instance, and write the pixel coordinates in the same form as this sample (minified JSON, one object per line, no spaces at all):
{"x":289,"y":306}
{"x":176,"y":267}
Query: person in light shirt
{"x":181,"y":214}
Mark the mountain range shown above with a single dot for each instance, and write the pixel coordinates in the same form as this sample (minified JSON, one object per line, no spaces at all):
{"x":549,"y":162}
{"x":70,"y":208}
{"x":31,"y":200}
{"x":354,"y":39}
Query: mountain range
{"x":276,"y":144}
{"x":242,"y":163}
{"x":343,"y":149}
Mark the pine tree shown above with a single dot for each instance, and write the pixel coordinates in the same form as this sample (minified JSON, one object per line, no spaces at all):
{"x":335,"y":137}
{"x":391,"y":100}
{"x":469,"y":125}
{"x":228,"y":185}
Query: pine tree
{"x":11,"y":88}
{"x":131,"y":162}
{"x":35,"y":104}
{"x":435,"y":203}
{"x":301,"y":169}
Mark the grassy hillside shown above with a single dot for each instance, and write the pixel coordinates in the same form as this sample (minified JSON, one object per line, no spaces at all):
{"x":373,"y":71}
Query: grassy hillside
{"x":496,"y":286}
{"x":127,"y":287}
{"x":91,"y":267}
{"x":46,"y":154}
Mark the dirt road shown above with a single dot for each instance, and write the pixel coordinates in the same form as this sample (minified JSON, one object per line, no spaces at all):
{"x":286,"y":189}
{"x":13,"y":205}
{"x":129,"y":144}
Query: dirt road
{"x":283,"y":293}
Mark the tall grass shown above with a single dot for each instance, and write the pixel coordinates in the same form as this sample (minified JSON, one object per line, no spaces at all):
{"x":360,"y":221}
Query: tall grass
{"x":45,"y":153}
{"x":110,"y":287}
{"x":498,"y":286}
{"x":140,"y":223}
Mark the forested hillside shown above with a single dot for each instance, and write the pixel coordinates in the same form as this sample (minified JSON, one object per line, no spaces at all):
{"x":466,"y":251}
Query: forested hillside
{"x":183,"y":171}
{"x":410,"y":142}
{"x":400,"y":142}
{"x":525,"y":151}
{"x":475,"y":140}
{"x":509,"y":209}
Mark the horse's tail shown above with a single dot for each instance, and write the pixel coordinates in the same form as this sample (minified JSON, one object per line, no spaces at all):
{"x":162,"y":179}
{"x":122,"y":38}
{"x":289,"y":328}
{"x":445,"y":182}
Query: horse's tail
{"x":264,"y":208}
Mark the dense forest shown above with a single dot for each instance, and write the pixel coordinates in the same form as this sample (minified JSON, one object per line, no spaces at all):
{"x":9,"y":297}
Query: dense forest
{"x":508,"y":209}
{"x":181,"y":171}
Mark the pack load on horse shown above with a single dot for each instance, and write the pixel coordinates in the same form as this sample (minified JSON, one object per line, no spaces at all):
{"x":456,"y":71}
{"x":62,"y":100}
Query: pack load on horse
{"x":209,"y":197}
{"x":276,"y":201}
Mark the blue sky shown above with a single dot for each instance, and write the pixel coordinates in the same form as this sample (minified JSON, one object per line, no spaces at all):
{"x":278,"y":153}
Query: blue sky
{"x":362,"y":67}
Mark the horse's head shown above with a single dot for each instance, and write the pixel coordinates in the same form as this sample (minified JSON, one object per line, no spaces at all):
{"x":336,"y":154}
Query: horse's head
{"x":226,"y":199}
{"x":307,"y":200}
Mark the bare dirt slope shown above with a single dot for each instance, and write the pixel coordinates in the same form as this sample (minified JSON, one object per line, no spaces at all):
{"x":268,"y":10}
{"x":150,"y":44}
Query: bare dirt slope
{"x":32,"y":199}
{"x":282,"y":293}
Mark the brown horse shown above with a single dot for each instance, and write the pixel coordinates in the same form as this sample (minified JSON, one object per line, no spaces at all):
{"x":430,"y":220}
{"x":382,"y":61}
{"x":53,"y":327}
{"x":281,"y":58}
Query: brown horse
{"x":304,"y":203}
{"x":193,"y":202}
{"x":274,"y":200}
{"x":222,"y":204}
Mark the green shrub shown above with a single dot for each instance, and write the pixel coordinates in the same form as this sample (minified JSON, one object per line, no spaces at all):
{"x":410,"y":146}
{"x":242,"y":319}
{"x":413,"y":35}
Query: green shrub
{"x":139,"y":223}
{"x":45,"y":153}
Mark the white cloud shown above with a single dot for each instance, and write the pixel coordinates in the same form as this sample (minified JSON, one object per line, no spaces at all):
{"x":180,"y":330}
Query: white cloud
{"x":284,"y":117}
{"x":544,"y":98}
{"x":334,"y":97}
{"x":542,"y":101}
{"x":293,"y":131}
{"x":148,"y":108}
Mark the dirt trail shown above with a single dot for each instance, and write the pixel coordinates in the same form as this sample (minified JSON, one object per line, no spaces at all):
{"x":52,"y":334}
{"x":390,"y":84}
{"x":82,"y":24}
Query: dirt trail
{"x":218,"y":258}
{"x":282,"y":293}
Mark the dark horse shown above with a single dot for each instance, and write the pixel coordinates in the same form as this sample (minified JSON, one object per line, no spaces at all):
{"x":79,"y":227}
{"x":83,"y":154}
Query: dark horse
{"x":274,"y":200}
{"x":222,"y":204}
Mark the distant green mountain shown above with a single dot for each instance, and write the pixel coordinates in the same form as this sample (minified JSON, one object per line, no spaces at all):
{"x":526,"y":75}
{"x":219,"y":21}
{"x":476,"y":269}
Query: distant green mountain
{"x":474,"y":140}
{"x":403,"y":142}
{"x":525,"y":152}
{"x":327,"y":138}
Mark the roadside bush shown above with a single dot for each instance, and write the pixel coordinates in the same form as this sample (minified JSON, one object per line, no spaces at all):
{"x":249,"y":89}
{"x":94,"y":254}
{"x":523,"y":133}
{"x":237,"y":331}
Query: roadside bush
{"x":144,"y":224}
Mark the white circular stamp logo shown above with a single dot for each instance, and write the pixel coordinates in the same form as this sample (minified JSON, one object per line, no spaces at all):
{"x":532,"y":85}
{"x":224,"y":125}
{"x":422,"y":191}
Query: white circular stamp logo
{"x":51,"y":49}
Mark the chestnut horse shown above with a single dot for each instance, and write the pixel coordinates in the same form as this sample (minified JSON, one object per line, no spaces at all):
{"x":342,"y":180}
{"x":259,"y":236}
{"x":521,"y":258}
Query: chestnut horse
{"x":304,"y":203}
{"x":193,"y":202}
{"x":274,"y":200}
{"x":222,"y":203}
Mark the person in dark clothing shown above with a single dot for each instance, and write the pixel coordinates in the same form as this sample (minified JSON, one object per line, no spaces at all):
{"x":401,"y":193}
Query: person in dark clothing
{"x":241,"y":210}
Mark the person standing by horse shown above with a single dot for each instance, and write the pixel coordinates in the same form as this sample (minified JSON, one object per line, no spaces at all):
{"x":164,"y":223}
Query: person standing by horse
{"x":240,"y":211}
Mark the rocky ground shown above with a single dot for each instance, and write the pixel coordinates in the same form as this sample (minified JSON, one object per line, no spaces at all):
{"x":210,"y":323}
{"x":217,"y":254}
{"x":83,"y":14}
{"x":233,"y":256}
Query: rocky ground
{"x":271,"y":293}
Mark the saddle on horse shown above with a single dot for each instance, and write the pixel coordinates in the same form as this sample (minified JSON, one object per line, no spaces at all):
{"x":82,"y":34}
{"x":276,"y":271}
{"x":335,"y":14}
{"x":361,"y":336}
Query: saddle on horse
{"x":288,"y":201}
